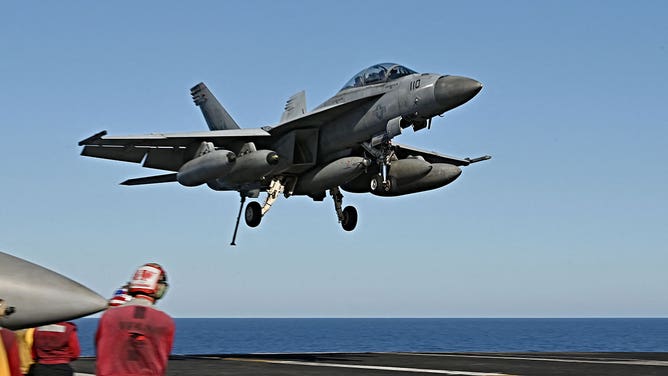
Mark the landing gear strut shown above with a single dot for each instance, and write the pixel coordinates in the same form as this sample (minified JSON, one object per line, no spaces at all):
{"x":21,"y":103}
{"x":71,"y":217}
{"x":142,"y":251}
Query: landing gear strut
{"x":347,"y":216}
{"x":276,"y":187}
{"x":254,"y":211}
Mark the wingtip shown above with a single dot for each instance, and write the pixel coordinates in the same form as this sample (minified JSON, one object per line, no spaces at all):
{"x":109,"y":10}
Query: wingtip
{"x":93,"y":138}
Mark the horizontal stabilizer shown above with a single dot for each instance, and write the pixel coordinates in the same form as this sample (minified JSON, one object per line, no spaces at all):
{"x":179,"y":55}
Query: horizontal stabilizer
{"x":215,"y":115}
{"x":404,"y":151}
{"x":479,"y":159}
{"x":166,"y":178}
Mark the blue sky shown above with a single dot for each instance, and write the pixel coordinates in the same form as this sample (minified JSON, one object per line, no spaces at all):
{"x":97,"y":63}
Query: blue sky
{"x":567,"y":219}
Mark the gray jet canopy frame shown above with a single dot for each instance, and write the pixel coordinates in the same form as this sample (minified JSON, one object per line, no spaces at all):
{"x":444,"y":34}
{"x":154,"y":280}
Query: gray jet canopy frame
{"x":378,"y":73}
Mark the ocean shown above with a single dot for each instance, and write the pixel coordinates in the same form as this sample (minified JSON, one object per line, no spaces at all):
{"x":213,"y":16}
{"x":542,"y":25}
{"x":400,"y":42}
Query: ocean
{"x":238,"y":336}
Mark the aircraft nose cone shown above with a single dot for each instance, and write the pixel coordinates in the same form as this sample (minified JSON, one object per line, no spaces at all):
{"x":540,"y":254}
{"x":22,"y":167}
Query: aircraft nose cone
{"x":42,"y":296}
{"x":453,"y":91}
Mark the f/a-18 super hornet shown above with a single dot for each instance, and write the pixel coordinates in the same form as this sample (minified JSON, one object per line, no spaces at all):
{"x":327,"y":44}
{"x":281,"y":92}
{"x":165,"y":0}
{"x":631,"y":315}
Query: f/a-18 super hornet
{"x":345,"y":143}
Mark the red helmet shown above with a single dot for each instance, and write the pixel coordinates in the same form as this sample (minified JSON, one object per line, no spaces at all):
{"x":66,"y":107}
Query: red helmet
{"x":150,"y":279}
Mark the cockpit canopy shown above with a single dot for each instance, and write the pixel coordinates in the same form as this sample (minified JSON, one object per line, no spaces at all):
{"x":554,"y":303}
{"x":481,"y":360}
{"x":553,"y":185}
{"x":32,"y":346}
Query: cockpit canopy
{"x":377,"y":74}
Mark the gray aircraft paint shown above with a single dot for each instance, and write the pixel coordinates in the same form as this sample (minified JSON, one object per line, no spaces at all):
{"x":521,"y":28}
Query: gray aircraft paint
{"x":215,"y":115}
{"x":295,"y":107}
{"x":41,"y":296}
{"x":311,"y":152}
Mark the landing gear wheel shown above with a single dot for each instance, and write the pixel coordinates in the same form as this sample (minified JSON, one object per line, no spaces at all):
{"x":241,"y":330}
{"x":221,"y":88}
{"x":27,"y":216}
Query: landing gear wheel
{"x":373,"y":184}
{"x":349,"y":218}
{"x":253,"y":214}
{"x":377,"y":184}
{"x":387,"y":186}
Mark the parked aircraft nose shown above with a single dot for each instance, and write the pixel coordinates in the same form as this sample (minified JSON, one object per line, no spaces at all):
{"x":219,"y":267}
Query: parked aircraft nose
{"x":41,"y":296}
{"x":453,"y":91}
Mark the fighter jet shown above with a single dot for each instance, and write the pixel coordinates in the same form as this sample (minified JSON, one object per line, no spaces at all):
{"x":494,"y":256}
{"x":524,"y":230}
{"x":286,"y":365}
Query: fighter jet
{"x":33,"y":295}
{"x":343,"y":144}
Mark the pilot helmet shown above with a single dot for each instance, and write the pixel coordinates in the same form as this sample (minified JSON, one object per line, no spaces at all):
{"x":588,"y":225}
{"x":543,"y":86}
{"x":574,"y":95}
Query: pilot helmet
{"x":150,"y":280}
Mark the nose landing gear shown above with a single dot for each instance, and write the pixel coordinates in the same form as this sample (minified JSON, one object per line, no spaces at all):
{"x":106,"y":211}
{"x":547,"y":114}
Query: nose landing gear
{"x":378,"y":183}
{"x":383,"y":155}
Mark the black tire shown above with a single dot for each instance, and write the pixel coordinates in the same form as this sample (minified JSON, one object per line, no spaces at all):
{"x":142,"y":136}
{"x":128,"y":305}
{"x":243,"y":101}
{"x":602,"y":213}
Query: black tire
{"x":349,"y":218}
{"x":253,"y":214}
{"x":387,"y":186}
{"x":376,"y":184}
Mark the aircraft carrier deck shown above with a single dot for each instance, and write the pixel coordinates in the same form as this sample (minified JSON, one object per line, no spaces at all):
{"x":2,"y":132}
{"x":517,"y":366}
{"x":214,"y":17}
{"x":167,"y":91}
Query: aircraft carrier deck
{"x":404,"y":364}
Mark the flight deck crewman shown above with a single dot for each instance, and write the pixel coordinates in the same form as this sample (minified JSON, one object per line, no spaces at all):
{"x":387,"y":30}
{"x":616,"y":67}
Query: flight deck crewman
{"x":4,"y":363}
{"x":54,"y":347}
{"x":8,"y":340}
{"x":10,"y":365}
{"x":136,"y":338}
{"x":24,"y":339}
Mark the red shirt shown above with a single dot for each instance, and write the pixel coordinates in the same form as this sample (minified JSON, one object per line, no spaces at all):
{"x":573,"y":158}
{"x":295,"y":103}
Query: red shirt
{"x":56,"y":344}
{"x":12,"y":349}
{"x":133,"y":339}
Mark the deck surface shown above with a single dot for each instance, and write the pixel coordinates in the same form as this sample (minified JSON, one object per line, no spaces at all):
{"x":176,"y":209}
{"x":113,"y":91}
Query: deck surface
{"x":404,"y":364}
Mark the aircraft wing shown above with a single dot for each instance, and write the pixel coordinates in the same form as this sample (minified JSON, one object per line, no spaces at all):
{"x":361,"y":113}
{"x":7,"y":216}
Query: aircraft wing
{"x":167,"y":151}
{"x":404,"y":151}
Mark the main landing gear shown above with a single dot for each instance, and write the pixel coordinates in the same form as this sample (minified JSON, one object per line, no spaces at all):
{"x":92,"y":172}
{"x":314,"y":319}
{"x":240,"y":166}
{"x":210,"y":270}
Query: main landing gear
{"x":254,"y":211}
{"x":347,"y":216}
{"x":253,"y":214}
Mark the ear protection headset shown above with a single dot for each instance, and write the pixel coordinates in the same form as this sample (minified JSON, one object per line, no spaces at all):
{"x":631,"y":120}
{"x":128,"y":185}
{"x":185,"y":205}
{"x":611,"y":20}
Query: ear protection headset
{"x":146,"y":282}
{"x":162,"y":286}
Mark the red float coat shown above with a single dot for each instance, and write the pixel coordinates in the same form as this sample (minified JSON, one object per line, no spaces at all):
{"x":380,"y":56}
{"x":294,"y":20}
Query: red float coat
{"x":134,"y":339}
{"x":56,"y":344}
{"x":12,"y":349}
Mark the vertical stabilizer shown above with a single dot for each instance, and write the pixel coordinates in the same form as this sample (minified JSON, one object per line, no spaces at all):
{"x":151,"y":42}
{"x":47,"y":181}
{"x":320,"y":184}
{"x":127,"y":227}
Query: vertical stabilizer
{"x":215,"y":115}
{"x":294,"y":107}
